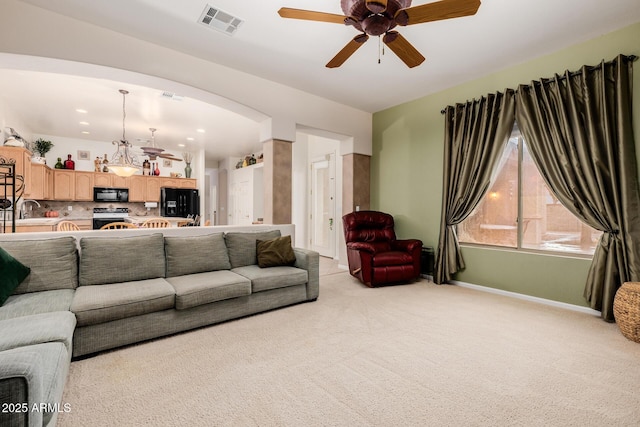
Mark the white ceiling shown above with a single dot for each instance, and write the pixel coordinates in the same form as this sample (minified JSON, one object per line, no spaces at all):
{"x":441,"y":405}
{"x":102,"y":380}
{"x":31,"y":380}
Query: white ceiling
{"x":503,"y":33}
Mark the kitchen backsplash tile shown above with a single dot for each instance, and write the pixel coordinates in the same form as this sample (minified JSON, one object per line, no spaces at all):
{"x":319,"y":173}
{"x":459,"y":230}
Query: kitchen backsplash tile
{"x":82,"y":210}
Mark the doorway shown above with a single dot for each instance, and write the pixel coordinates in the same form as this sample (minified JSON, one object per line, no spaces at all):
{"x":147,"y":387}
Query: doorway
{"x":322,"y":195}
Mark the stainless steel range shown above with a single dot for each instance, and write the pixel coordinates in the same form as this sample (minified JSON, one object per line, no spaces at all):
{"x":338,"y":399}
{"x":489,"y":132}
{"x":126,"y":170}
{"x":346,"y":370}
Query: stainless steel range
{"x":104,"y":216}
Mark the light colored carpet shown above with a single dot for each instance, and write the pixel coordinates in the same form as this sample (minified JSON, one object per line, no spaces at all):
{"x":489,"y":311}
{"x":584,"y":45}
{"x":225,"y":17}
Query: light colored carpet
{"x":413,"y":355}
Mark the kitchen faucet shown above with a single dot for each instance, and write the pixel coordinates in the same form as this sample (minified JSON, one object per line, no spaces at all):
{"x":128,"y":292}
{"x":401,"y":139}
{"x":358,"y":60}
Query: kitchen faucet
{"x":23,"y":212}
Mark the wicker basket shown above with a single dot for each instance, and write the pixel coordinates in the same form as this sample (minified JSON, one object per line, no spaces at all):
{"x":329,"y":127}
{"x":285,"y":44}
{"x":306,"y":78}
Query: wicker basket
{"x":626,"y":309}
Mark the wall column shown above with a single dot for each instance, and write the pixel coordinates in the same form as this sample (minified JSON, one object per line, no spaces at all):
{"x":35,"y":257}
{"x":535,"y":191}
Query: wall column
{"x":356,"y":182}
{"x":277,"y":181}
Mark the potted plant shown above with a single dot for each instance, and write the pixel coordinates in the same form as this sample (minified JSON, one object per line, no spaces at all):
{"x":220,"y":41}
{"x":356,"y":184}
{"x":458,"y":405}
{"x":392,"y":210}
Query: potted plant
{"x":42,"y":147}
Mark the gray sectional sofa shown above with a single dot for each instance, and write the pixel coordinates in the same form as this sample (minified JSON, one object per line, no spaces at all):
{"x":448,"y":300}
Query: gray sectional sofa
{"x":90,"y":291}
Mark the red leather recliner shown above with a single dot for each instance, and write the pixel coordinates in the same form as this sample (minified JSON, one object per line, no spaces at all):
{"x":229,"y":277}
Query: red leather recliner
{"x":375,"y":256}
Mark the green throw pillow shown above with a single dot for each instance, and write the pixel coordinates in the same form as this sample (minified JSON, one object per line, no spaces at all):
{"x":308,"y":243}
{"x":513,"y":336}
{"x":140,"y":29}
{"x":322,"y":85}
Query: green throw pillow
{"x":12,"y":273}
{"x":274,"y":252}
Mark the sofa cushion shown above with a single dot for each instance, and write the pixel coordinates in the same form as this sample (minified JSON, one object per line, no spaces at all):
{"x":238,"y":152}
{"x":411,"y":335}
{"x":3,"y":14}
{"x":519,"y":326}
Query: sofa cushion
{"x":38,"y":328}
{"x":53,"y":263}
{"x":12,"y":273}
{"x":196,"y":254}
{"x":103,"y":303}
{"x":36,"y":303}
{"x":203,"y":288}
{"x":275,"y":252}
{"x":242,"y":246}
{"x":121,"y":259}
{"x":263,"y":279}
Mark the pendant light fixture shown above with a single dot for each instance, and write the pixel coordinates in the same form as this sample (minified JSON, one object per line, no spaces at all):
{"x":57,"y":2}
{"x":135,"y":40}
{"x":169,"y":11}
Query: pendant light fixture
{"x":123,"y":163}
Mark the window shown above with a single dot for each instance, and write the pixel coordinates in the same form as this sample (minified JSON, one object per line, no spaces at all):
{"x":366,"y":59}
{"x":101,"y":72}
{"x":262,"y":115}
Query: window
{"x":520,"y":212}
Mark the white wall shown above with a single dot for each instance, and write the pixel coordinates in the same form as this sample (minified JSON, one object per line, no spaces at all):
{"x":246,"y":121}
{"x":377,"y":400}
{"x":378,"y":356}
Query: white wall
{"x":9,"y":119}
{"x":299,"y":189}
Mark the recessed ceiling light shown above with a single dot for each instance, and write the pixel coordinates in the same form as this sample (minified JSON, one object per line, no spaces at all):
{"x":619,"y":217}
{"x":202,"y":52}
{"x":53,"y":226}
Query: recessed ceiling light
{"x":181,"y":145}
{"x":81,"y":110}
{"x":189,"y":138}
{"x":85,"y":132}
{"x":200,"y":130}
{"x":84,"y":123}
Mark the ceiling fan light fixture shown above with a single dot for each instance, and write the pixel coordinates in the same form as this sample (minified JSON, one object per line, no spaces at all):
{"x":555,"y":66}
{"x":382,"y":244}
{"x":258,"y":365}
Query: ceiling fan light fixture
{"x":123,"y":163}
{"x":376,"y":6}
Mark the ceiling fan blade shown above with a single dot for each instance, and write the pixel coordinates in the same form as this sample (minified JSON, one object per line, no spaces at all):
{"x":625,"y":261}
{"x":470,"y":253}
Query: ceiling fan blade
{"x":169,"y":157}
{"x":310,"y":15}
{"x":436,"y":11}
{"x":347,"y":51}
{"x":401,"y":47}
{"x":376,"y":6}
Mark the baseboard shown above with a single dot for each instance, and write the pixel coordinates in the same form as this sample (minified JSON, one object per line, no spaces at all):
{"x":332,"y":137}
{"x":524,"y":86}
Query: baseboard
{"x":538,"y":300}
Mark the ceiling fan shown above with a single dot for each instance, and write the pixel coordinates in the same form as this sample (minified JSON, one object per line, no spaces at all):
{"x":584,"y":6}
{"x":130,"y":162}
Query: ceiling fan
{"x":378,"y":17}
{"x":153,"y":151}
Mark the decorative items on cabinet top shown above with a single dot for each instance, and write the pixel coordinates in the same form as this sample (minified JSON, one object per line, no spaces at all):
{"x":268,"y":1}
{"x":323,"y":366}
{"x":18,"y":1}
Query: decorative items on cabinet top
{"x":42,"y":147}
{"x":249,"y":160}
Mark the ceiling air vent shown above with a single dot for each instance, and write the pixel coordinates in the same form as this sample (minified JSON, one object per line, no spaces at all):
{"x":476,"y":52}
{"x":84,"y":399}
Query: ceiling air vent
{"x":219,"y":20}
{"x":171,"y":95}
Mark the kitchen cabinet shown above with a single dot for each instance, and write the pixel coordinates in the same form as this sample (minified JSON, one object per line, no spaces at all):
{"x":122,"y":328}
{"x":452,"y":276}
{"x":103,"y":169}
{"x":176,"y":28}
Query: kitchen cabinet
{"x":72,"y":185}
{"x":188,"y":183}
{"x":64,"y":184}
{"x":137,"y":185}
{"x":118,"y":181}
{"x":101,"y":179}
{"x":153,"y":188}
{"x":41,"y":182}
{"x":84,"y":186}
{"x":22,"y":158}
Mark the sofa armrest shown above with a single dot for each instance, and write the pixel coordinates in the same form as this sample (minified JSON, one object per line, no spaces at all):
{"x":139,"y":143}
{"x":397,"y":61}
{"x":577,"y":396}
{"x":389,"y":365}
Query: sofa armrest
{"x":21,"y":376}
{"x":371,"y":247}
{"x":309,"y":260}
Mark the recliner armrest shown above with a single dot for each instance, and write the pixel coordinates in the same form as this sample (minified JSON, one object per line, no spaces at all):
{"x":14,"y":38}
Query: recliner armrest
{"x":371,"y":247}
{"x":408,"y":245}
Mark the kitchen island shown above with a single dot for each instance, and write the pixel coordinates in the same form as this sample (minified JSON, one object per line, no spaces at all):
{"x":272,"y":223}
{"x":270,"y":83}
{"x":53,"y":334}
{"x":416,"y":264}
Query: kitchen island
{"x":139,"y":220}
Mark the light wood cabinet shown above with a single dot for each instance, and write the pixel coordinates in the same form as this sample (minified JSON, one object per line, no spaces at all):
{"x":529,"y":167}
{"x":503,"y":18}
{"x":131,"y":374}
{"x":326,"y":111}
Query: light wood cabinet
{"x":153,"y":188}
{"x":119,"y":181}
{"x":137,"y":185}
{"x":188,"y":183}
{"x":22,"y":158}
{"x":64,"y":184}
{"x":41,"y":182}
{"x":71,"y":185}
{"x":101,"y":179}
{"x":84,"y":186}
{"x":34,"y":228}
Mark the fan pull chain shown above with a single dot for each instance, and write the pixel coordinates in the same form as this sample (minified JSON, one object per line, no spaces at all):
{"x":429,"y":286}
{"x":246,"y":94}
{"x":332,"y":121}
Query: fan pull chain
{"x":380,"y":48}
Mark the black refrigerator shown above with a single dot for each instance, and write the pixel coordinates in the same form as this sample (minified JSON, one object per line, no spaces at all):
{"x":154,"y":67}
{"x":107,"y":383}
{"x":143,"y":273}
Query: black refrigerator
{"x":179,"y":202}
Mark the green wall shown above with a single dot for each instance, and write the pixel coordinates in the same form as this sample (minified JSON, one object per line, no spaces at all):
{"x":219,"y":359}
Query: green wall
{"x":406,"y":171}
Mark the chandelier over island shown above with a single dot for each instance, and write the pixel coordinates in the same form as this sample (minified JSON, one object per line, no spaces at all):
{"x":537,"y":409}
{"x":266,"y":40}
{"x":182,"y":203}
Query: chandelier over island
{"x":123,"y":162}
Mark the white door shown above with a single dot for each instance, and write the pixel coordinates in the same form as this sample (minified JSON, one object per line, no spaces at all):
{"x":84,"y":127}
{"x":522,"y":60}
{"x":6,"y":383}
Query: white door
{"x":322,"y":195}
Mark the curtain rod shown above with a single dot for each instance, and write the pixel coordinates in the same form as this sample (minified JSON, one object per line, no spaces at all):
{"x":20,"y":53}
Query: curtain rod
{"x":631,"y":58}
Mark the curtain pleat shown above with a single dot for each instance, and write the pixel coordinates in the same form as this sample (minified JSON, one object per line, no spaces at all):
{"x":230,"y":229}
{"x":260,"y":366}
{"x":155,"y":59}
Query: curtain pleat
{"x":578,"y":128}
{"x":475,"y":136}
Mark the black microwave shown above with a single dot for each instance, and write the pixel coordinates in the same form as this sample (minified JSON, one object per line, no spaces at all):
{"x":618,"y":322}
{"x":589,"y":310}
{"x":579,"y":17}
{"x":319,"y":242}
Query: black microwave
{"x":110,"y":194}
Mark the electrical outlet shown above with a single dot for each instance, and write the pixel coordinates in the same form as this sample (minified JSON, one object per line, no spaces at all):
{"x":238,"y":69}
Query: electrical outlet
{"x":69,"y":208}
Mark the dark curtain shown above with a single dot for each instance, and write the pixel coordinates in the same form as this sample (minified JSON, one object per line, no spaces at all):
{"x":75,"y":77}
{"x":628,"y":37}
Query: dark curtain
{"x":578,"y":128}
{"x":475,"y":136}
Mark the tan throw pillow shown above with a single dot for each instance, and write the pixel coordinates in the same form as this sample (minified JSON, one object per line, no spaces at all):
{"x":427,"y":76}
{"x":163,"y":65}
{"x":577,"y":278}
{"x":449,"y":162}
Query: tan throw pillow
{"x":275,"y":252}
